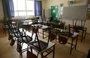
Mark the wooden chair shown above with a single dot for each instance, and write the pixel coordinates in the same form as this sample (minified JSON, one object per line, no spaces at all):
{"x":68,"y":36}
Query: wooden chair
{"x":22,"y":39}
{"x":41,"y":46}
{"x":64,"y":36}
{"x":80,"y":28}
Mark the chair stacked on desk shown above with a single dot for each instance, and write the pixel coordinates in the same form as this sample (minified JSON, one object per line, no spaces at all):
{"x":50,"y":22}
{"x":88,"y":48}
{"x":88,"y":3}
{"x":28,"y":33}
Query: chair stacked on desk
{"x":62,"y":34}
{"x":16,"y":36}
{"x":41,"y":46}
{"x":80,"y":28}
{"x":19,"y":35}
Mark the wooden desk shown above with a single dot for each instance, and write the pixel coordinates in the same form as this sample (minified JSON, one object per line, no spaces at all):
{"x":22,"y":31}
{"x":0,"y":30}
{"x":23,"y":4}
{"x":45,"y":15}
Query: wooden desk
{"x":50,"y":48}
{"x":73,"y":37}
{"x":79,"y":29}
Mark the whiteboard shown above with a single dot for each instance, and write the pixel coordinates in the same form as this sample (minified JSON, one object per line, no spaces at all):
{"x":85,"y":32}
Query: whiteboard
{"x":74,"y":12}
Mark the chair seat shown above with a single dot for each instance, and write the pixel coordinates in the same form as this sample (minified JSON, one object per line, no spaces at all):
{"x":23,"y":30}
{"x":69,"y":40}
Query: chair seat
{"x":35,"y":45}
{"x":26,"y":39}
{"x":66,"y":33}
{"x":77,"y":28}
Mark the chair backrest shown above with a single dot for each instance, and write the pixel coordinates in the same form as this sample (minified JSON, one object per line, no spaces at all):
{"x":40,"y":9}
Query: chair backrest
{"x":20,"y":35}
{"x":41,"y":45}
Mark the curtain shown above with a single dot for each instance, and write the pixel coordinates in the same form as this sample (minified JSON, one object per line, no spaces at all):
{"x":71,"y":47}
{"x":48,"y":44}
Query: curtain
{"x":38,"y":8}
{"x":11,"y":6}
{"x":8,"y":8}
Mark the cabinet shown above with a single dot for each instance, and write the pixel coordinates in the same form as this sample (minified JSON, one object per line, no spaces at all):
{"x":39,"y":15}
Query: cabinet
{"x":54,"y":13}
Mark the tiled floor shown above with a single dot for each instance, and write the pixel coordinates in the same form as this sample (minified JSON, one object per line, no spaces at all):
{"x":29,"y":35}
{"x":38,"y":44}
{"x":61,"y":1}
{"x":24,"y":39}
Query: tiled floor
{"x":61,"y":51}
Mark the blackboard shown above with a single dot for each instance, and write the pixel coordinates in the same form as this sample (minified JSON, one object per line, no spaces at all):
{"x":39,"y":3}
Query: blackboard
{"x":74,"y":12}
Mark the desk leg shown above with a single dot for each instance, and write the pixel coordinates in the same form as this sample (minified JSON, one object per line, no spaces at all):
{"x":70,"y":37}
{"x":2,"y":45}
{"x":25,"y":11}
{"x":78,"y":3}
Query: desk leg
{"x":43,"y":34}
{"x":85,"y":34}
{"x":31,"y":50}
{"x":54,"y":51}
{"x":82,"y":36}
{"x":71,"y":46}
{"x":76,"y":42}
{"x":21,"y":55}
{"x":42,"y":55}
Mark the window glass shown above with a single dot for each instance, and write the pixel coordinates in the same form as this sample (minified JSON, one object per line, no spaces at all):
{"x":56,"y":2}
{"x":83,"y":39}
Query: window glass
{"x":28,"y":3}
{"x":21,"y":4}
{"x":22,"y":13}
{"x":15,"y":5}
{"x":24,"y":7}
{"x":16,"y":13}
{"x":30,"y":13}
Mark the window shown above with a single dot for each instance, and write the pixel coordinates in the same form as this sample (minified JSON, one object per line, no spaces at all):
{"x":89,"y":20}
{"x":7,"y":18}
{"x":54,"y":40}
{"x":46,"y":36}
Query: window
{"x":24,"y":7}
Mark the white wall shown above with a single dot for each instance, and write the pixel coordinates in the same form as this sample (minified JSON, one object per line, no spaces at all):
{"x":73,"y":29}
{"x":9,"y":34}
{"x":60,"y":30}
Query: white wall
{"x":48,"y":3}
{"x":1,"y":10}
